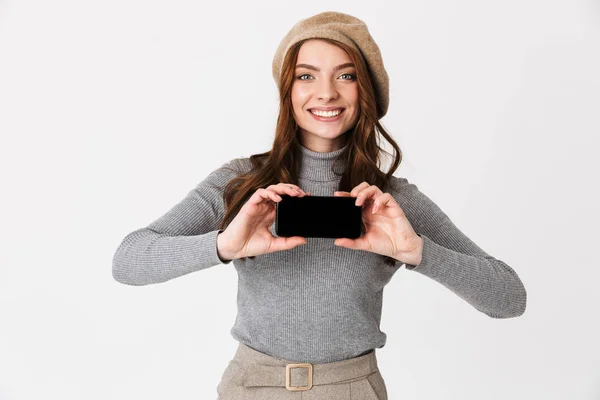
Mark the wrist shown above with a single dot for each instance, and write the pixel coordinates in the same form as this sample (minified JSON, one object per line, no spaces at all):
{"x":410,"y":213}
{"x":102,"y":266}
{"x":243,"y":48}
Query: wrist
{"x":415,"y":256}
{"x":224,"y":254}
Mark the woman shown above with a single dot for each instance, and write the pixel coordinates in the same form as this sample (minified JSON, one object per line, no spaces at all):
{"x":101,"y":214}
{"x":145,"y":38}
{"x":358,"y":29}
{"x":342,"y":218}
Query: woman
{"x":309,"y":308}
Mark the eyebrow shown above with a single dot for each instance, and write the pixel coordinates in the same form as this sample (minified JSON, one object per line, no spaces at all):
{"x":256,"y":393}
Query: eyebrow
{"x":341,"y":66}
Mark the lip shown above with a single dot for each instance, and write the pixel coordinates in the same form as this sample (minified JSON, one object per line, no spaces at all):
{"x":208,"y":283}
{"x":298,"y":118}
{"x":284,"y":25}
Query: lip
{"x":326,"y":108}
{"x":325,"y":119}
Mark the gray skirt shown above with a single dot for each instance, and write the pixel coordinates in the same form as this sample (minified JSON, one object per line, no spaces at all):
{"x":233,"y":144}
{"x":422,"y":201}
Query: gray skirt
{"x":253,"y":375}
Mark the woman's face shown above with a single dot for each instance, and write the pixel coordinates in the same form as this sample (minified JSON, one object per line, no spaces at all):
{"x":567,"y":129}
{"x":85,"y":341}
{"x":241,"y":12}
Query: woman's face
{"x":320,"y":83}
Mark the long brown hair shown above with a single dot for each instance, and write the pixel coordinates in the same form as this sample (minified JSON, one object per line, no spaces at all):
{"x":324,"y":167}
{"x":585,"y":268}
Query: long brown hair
{"x":281,"y":163}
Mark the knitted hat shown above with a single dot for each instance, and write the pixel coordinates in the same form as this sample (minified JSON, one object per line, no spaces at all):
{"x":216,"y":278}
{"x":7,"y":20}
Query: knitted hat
{"x":346,"y":29}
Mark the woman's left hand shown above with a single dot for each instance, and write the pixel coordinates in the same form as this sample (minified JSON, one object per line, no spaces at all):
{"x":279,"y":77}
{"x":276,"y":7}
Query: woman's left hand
{"x":387,"y":230}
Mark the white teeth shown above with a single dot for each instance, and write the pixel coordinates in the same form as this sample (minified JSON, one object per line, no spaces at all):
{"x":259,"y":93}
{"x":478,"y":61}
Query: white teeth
{"x":326,"y":113}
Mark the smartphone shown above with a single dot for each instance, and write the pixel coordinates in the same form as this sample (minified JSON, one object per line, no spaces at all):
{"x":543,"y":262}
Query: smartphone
{"x":318,"y":216}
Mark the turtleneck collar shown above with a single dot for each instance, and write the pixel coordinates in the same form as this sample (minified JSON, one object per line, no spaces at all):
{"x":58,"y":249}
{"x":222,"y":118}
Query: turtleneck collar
{"x":316,"y":166}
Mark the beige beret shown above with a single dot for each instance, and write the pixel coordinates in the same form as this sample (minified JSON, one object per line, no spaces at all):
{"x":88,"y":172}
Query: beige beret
{"x":346,"y":29}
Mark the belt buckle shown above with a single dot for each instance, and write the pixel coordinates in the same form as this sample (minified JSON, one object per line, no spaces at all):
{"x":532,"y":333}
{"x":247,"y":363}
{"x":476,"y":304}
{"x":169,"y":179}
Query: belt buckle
{"x":288,"y":369}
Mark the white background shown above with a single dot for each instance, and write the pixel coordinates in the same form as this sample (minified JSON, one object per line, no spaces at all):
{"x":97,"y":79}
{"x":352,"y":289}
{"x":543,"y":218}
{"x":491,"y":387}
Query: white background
{"x":111,"y":111}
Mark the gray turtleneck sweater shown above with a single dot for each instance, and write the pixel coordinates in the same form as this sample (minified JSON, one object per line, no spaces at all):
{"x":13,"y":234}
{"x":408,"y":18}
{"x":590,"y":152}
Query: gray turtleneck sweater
{"x":317,"y":302}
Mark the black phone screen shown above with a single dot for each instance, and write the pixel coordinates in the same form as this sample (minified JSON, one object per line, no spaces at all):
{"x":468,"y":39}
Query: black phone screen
{"x":318,"y":216}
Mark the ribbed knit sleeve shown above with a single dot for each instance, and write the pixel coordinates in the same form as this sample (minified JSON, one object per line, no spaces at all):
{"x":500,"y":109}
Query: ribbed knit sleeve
{"x":182,"y":241}
{"x":452,"y":259}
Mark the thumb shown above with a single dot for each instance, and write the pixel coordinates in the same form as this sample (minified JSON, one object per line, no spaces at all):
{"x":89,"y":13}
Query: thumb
{"x":345,"y":242}
{"x":286,"y":243}
{"x":354,"y":244}
{"x":341,"y":193}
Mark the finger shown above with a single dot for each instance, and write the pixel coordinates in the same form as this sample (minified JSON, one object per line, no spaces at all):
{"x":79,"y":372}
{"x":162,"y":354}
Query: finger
{"x":273,"y":196}
{"x":354,"y":244}
{"x":284,"y":189}
{"x":366,"y":194}
{"x":286,"y":243}
{"x":381,"y":201}
{"x":341,"y":193}
{"x":286,"y":184}
{"x":259,"y":196}
{"x":293,"y":187}
{"x":384,"y":200}
{"x":358,"y":188}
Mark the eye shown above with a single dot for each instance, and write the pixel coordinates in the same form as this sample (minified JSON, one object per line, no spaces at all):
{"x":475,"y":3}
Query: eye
{"x":351,"y":77}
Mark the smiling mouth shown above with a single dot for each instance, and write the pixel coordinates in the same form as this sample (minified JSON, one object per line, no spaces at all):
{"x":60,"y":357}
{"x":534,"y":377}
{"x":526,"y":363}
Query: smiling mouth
{"x":327,"y":117}
{"x":326,"y":114}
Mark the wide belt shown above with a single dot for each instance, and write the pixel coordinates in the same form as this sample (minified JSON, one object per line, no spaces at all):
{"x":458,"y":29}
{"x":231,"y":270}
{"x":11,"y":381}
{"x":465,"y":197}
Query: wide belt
{"x":302,"y":376}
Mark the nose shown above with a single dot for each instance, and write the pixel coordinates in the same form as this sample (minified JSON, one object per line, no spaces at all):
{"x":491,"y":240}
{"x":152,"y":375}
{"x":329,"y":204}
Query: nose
{"x":327,"y":90}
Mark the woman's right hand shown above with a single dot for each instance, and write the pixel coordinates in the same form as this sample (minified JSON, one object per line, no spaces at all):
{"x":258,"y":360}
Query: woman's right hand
{"x":249,"y":233}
